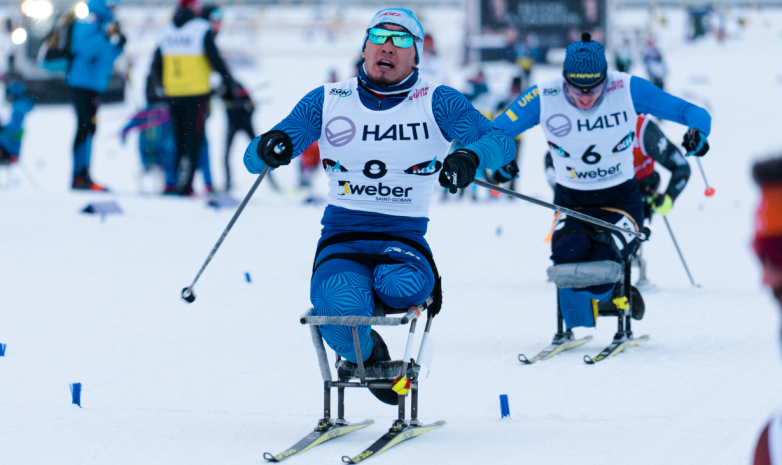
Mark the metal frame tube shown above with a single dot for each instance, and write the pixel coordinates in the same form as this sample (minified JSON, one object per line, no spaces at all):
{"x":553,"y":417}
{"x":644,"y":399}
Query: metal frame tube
{"x":326,"y":400}
{"x":341,"y":405}
{"x":359,"y":359}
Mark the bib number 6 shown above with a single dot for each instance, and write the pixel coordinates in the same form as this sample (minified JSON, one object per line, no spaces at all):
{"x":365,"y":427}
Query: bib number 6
{"x":589,"y":157}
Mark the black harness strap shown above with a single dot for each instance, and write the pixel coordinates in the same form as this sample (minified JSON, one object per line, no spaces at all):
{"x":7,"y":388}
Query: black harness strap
{"x":380,"y":259}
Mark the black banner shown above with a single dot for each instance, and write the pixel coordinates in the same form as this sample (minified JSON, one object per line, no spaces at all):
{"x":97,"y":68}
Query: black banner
{"x":545,"y":23}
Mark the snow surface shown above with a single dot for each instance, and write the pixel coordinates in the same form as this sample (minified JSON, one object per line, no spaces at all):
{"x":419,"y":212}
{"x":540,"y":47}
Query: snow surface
{"x":234,"y":374}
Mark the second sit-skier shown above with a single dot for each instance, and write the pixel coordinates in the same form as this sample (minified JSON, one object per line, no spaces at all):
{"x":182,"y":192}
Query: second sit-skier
{"x":588,"y":116}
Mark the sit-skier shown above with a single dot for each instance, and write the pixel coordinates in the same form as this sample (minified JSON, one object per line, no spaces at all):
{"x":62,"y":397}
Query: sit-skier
{"x":382,"y":137}
{"x":588,"y":116}
{"x":651,"y":147}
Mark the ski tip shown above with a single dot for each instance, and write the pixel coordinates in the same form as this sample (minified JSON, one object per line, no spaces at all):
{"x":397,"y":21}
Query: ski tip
{"x":523,"y":359}
{"x":269,"y":457}
{"x":346,"y":459}
{"x":588,"y":360}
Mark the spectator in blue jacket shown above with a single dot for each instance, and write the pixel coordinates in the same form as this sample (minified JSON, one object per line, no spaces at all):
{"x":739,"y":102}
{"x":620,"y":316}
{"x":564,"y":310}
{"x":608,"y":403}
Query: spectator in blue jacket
{"x":96,"y":42}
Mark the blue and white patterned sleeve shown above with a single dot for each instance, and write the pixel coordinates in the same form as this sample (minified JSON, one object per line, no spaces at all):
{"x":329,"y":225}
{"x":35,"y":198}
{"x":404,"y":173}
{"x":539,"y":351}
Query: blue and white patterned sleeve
{"x":522,"y":114}
{"x":649,"y":99}
{"x":459,"y":120}
{"x":302,"y":125}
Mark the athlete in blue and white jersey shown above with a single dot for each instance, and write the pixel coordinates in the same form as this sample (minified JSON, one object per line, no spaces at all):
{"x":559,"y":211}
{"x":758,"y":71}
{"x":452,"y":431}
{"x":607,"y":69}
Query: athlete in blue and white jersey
{"x":588,"y":116}
{"x":383,"y":139}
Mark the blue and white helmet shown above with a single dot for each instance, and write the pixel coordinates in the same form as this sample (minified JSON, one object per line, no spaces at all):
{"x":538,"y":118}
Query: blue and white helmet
{"x":403,"y":18}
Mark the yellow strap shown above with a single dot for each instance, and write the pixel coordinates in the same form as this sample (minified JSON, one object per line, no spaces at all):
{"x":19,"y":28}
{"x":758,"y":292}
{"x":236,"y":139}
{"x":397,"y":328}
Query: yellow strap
{"x":402,"y":387}
{"x":594,"y":310}
{"x":553,"y":225}
{"x":621,"y":302}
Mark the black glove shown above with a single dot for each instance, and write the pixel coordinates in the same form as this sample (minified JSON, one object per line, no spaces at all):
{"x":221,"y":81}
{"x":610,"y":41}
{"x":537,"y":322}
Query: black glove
{"x":461,"y":166}
{"x":695,"y":142}
{"x":275,"y":148}
{"x":507,"y":172}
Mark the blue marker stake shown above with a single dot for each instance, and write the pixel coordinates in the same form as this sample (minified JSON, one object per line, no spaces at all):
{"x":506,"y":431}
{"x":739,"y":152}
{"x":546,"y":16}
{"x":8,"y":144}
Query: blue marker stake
{"x":2,"y":350}
{"x":504,"y":407}
{"x":499,"y":230}
{"x":247,"y":277}
{"x":76,"y":393}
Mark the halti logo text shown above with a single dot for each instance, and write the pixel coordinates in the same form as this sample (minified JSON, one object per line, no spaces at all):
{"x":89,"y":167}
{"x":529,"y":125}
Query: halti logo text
{"x":603,"y":122}
{"x":391,"y":133}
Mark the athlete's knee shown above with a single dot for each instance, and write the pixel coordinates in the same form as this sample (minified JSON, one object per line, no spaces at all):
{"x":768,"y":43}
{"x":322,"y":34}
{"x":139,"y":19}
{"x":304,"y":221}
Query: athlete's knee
{"x":342,"y":293}
{"x":570,"y":248}
{"x":402,"y":285}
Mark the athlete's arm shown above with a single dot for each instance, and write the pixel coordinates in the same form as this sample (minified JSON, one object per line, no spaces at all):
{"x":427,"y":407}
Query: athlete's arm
{"x":665,"y":152}
{"x":648,"y":98}
{"x":459,"y":120}
{"x":217,"y":62}
{"x":302,"y":125}
{"x":522,"y":114}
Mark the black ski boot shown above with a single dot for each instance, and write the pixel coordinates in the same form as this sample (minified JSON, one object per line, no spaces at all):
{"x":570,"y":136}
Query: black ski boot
{"x":380,"y":354}
{"x":638,"y":304}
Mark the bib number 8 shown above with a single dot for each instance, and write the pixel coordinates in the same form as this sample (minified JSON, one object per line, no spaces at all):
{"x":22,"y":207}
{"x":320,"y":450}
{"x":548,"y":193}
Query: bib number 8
{"x":589,"y":157}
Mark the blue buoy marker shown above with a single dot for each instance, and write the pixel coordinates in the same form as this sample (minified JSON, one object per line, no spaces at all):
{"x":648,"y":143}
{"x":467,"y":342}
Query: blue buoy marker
{"x":247,"y":277}
{"x":2,"y":350}
{"x":76,"y":393}
{"x":499,"y":231}
{"x":504,"y":407}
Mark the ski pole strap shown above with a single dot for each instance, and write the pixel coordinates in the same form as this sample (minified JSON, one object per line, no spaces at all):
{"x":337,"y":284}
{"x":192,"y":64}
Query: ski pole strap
{"x":590,"y":219}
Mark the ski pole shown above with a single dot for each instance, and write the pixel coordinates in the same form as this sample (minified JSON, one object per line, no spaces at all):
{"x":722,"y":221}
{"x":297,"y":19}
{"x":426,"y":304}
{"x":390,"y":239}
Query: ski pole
{"x":29,"y":176}
{"x":581,"y":216}
{"x":709,"y":190}
{"x":187,"y":293}
{"x":680,"y":252}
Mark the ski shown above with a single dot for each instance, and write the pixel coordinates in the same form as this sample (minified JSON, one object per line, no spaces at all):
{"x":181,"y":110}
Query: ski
{"x":398,"y":433}
{"x":614,"y":348}
{"x":557,"y":346}
{"x":323,"y":432}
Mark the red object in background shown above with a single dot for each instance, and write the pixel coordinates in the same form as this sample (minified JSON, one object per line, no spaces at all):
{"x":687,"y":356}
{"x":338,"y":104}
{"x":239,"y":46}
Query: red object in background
{"x":310,"y":157}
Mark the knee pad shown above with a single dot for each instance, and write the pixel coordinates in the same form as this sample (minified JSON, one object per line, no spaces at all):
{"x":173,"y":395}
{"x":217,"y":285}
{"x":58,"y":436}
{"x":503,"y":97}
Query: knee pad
{"x":402,"y":285}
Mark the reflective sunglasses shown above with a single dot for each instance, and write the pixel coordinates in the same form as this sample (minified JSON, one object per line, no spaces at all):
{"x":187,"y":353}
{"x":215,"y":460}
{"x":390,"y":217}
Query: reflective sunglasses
{"x":587,"y":92}
{"x":400,"y":39}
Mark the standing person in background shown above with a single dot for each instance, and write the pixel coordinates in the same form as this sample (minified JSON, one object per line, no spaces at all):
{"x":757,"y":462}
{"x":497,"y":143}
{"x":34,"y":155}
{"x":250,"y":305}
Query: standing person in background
{"x":96,"y":41}
{"x":624,"y":57}
{"x":431,"y":67}
{"x":768,"y":247}
{"x":11,"y":133}
{"x":239,"y":107}
{"x":185,"y":57}
{"x":655,"y":66}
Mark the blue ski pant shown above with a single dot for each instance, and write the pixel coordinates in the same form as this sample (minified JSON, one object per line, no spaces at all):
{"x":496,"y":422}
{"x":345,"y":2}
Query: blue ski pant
{"x":342,"y":287}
